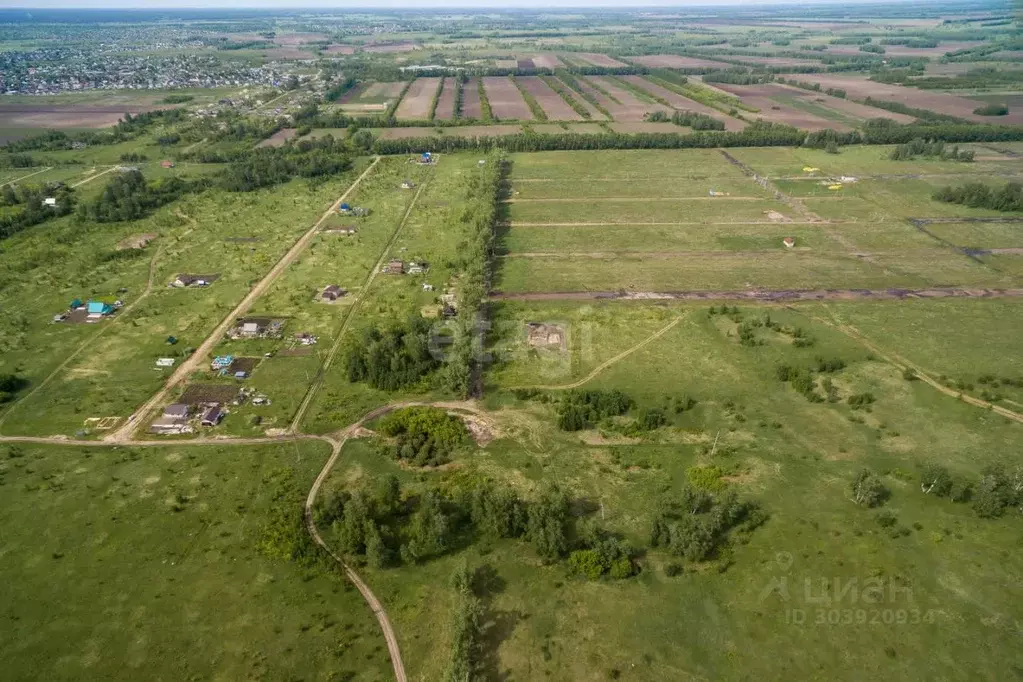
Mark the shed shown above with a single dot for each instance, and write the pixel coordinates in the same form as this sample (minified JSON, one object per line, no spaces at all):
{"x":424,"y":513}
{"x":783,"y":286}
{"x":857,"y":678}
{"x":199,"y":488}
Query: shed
{"x":176,"y":411}
{"x":395,"y":267}
{"x":167,"y":164}
{"x":99,"y":308}
{"x":50,"y":201}
{"x":165,"y":362}
{"x":212,"y":416}
{"x":407,"y":184}
{"x":332,"y":293}
{"x":789,"y":242}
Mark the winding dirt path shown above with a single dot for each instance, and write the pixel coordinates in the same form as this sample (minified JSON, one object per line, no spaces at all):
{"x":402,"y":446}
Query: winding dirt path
{"x":195,"y":360}
{"x":621,"y":356}
{"x":903,"y":364}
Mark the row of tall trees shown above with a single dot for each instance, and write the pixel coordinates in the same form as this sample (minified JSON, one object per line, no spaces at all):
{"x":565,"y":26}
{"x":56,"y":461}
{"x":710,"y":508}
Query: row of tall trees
{"x":484,"y":189}
{"x":979,"y":195}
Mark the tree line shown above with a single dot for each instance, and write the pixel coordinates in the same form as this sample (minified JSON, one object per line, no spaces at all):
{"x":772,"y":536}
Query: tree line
{"x":480,"y":215}
{"x":129,"y":196}
{"x":978,"y":195}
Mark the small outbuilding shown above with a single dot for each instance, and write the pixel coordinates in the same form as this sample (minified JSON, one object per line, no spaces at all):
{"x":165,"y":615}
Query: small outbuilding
{"x":789,"y":242}
{"x":166,"y":164}
{"x":212,"y":416}
{"x":176,"y":411}
{"x":395,"y":267}
{"x":96,"y":309}
{"x":408,"y":184}
{"x":332,"y":293}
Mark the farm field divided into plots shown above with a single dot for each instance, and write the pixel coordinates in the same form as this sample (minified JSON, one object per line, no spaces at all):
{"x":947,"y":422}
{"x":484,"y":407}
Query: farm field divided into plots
{"x":418,"y":99}
{"x":689,"y":220}
{"x":506,"y":101}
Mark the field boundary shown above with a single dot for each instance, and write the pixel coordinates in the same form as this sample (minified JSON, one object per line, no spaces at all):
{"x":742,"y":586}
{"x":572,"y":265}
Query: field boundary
{"x":762,"y":295}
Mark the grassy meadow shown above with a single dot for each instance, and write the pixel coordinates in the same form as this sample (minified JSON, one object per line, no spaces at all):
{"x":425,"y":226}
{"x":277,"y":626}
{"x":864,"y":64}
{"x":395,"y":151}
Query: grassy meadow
{"x":950,"y":615}
{"x":143,"y":563}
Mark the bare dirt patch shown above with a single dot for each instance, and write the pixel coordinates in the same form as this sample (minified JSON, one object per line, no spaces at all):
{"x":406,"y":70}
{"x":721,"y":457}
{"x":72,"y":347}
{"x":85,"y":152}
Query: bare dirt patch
{"x":844,"y":106}
{"x":556,"y":108}
{"x":65,"y":116}
{"x":506,"y":101}
{"x":301,"y":38}
{"x":340,"y":49}
{"x":482,"y":430}
{"x":627,"y":108}
{"x":136,"y":241}
{"x":404,"y":46}
{"x":547,"y":61}
{"x":279,"y":138}
{"x":417,"y":101}
{"x":197,"y":394}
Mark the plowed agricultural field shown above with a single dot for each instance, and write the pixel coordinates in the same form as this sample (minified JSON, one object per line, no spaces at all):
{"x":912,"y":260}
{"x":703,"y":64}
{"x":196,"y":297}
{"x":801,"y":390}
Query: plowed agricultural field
{"x":417,"y":101}
{"x":505,"y":99}
{"x":471,"y":107}
{"x":858,"y":87}
{"x":776,"y":111}
{"x":628,"y":107}
{"x":446,"y":103}
{"x":556,"y":108}
{"x":684,"y":103}
{"x":672,"y":61}
{"x":598,"y":59}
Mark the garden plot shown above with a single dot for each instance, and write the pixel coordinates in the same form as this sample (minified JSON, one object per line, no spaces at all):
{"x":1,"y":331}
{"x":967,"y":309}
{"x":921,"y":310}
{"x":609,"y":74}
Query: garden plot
{"x":506,"y":101}
{"x":547,"y":61}
{"x":556,"y":108}
{"x":632,"y":165}
{"x":416,"y":103}
{"x":684,"y":103}
{"x":843,"y":107}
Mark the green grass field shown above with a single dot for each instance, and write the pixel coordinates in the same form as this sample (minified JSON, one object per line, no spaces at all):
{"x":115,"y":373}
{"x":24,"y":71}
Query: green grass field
{"x":104,"y":579}
{"x":953,"y":616}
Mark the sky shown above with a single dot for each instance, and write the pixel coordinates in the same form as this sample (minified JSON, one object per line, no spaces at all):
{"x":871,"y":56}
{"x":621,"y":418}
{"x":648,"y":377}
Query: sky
{"x":421,"y":4}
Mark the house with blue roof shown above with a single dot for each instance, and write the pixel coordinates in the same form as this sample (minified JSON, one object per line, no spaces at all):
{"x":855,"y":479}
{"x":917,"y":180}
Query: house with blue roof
{"x":98,"y":309}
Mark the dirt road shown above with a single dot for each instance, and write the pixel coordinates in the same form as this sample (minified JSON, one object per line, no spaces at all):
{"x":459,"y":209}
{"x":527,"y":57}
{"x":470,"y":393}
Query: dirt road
{"x":769,"y":295}
{"x":194,"y":361}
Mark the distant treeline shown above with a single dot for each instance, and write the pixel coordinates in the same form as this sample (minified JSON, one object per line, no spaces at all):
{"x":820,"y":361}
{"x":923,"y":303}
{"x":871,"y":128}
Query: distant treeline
{"x":34,"y":210}
{"x":979,"y":195}
{"x":126,"y":129}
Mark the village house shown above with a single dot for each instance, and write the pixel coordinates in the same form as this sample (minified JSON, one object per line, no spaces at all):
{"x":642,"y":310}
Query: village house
{"x":186,"y":280}
{"x":395,"y":267}
{"x":415,"y":268}
{"x":165,"y":362}
{"x":332,"y":292}
{"x":98,"y":309}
